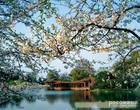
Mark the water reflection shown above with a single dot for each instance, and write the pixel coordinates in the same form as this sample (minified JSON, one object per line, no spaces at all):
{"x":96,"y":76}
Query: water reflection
{"x":42,"y":99}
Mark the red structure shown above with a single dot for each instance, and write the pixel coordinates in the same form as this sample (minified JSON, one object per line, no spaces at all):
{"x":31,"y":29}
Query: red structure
{"x":84,"y":84}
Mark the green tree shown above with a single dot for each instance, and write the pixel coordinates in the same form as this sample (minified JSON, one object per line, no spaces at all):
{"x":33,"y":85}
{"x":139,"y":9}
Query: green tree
{"x":64,"y":77}
{"x":83,"y":68}
{"x":101,"y":78}
{"x":105,"y":79}
{"x":78,"y":73}
{"x":52,"y":75}
{"x":127,"y":71}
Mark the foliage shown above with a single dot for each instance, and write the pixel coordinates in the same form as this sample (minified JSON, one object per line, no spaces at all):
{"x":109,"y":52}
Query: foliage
{"x":91,"y":25}
{"x":128,"y":71}
{"x":84,"y":64}
{"x":31,"y":77}
{"x":15,"y":82}
{"x":64,"y":77}
{"x":52,"y":75}
{"x":83,"y":68}
{"x":41,"y":80}
{"x":77,"y":74}
{"x":124,"y":73}
{"x":101,"y":78}
{"x":12,"y":57}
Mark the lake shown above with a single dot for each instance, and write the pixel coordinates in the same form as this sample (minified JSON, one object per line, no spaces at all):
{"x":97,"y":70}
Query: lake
{"x":43,"y":99}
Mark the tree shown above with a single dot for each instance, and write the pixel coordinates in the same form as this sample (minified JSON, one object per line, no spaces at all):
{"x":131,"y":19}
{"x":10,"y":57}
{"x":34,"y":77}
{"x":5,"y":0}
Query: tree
{"x":86,"y":26}
{"x":14,"y":46}
{"x":64,"y":77}
{"x":31,"y":77}
{"x":83,"y":68}
{"x":52,"y":75}
{"x":85,"y":65}
{"x":95,"y":26}
{"x":127,"y":72}
{"x":78,"y":73}
{"x":101,"y":78}
{"x":94,"y":22}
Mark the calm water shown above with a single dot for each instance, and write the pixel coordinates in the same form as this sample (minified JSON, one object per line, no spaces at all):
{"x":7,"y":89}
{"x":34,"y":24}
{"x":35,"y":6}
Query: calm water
{"x":42,"y":99}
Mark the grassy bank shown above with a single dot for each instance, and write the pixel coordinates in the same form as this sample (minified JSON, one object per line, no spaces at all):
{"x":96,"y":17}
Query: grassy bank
{"x":111,"y":90}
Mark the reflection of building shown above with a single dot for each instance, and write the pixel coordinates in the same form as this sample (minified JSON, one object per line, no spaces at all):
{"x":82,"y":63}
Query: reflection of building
{"x":84,"y":84}
{"x":87,"y":95}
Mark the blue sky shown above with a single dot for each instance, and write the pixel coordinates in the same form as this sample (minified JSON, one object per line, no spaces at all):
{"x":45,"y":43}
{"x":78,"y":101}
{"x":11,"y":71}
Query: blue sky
{"x":57,"y":64}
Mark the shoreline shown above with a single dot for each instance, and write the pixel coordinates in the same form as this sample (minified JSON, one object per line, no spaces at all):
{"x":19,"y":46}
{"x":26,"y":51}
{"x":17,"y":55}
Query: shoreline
{"x":14,"y":89}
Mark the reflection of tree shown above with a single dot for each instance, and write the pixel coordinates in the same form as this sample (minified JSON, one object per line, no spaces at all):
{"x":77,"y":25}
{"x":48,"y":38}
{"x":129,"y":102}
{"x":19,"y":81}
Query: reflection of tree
{"x":75,"y":96}
{"x":17,"y":98}
{"x":4,"y":105}
{"x":80,"y":96}
{"x":116,"y":95}
{"x":53,"y":98}
{"x":31,"y":99}
{"x":15,"y":101}
{"x":87,"y":95}
{"x":138,"y":106}
{"x":138,"y":100}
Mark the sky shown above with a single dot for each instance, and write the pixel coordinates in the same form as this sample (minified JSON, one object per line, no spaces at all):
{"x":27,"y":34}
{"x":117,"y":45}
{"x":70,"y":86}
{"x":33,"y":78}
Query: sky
{"x":57,"y":64}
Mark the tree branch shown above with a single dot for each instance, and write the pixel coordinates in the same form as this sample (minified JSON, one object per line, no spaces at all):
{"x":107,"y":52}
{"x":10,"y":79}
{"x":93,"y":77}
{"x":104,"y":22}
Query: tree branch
{"x":131,"y":51}
{"x":107,"y":27}
{"x":112,"y":28}
{"x":133,"y":7}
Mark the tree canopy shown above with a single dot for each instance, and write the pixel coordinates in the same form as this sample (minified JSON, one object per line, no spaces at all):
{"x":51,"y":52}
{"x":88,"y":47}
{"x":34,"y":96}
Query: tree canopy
{"x":78,"y":73}
{"x":91,"y":25}
{"x":52,"y":75}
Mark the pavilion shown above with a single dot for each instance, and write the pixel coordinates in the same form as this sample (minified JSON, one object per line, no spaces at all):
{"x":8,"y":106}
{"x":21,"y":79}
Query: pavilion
{"x":84,"y":84}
